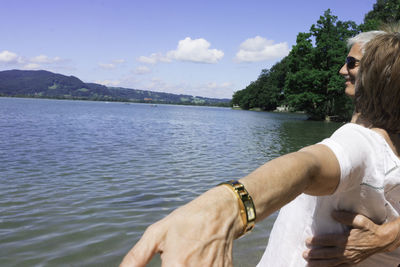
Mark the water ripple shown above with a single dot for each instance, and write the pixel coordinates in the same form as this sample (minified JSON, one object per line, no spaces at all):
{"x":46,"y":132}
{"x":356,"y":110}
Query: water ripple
{"x":81,"y":181}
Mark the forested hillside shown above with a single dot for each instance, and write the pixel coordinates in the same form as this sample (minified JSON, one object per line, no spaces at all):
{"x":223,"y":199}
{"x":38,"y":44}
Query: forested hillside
{"x":45,"y":84}
{"x":308,"y":79}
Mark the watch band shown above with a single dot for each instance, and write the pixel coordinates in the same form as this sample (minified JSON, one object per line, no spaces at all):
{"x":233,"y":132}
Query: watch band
{"x":246,"y":205}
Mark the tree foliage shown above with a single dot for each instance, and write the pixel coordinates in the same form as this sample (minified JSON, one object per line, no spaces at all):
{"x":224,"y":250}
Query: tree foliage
{"x":308,"y":79}
{"x":383,"y":12}
{"x":318,"y":87}
{"x":266,"y":92}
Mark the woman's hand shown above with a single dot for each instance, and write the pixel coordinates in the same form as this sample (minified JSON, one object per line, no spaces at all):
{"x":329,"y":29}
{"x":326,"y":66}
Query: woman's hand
{"x":364,"y":239}
{"x":200,"y":233}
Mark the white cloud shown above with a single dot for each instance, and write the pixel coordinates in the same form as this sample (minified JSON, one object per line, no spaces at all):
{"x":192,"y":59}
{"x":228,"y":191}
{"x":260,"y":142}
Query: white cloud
{"x":45,"y":59}
{"x":142,"y":70}
{"x":31,"y":66}
{"x":148,"y":60}
{"x":261,"y":49}
{"x":197,"y":50}
{"x":153,"y":59}
{"x":27,"y":63}
{"x":9,"y":57}
{"x":109,"y":82}
{"x":214,"y":85}
{"x":118,"y":61}
{"x":107,"y":66}
{"x":113,"y":65}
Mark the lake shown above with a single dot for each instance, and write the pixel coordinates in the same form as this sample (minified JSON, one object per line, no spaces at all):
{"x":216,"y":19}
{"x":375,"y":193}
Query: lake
{"x":80,"y":181}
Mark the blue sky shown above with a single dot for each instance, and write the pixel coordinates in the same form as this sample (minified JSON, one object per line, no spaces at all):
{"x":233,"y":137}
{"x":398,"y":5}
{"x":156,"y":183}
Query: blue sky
{"x":206,"y":48}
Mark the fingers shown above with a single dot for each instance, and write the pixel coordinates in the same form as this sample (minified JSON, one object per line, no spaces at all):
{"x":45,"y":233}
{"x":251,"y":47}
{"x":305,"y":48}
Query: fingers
{"x":333,"y":240}
{"x":326,"y":263}
{"x":322,"y":253}
{"x":355,"y":220}
{"x":138,"y":256}
{"x":143,"y":251}
{"x":339,"y":249}
{"x":324,"y":257}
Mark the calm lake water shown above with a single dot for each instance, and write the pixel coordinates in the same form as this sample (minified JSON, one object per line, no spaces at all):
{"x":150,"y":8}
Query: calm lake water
{"x":80,"y":181}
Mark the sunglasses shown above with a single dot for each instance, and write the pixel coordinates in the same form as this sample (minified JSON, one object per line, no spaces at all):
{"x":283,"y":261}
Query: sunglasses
{"x":351,"y":62}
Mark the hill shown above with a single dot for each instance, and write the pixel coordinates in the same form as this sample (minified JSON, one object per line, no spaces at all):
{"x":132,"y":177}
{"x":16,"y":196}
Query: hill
{"x":45,"y":84}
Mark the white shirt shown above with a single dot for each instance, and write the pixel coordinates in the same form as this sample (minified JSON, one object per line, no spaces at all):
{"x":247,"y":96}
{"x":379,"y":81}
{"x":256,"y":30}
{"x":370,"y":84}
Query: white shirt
{"x":369,"y":184}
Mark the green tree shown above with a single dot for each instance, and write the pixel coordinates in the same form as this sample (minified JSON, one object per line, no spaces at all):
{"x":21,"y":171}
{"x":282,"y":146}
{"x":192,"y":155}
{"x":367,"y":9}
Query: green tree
{"x":313,"y":83}
{"x":264,"y":93}
{"x":330,"y":49}
{"x":308,"y":79}
{"x":273,"y":85}
{"x":298,"y":78}
{"x":383,"y":12}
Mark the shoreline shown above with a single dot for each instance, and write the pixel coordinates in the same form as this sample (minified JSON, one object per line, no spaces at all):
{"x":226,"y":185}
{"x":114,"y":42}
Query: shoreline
{"x":222,"y":105}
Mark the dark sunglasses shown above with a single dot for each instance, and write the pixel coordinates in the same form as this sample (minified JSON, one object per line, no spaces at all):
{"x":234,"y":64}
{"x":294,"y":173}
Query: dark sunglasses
{"x":351,"y":62}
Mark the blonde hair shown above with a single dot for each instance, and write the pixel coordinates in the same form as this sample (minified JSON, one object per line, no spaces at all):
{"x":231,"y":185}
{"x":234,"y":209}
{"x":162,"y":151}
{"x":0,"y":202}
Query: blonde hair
{"x":377,"y":95}
{"x":391,"y":27}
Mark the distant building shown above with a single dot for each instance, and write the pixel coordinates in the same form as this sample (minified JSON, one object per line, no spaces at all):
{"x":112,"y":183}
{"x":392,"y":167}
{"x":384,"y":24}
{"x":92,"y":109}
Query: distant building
{"x":282,"y":108}
{"x":147,"y":99}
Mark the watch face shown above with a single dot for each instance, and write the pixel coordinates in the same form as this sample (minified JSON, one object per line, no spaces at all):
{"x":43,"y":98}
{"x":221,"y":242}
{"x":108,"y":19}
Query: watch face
{"x":250,"y":213}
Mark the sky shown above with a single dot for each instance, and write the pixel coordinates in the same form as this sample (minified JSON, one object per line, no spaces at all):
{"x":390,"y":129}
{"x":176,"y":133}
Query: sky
{"x":208,"y":48}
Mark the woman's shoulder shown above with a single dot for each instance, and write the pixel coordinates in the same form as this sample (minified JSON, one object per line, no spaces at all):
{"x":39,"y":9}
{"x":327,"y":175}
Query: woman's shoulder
{"x":358,"y":133}
{"x":365,"y":143}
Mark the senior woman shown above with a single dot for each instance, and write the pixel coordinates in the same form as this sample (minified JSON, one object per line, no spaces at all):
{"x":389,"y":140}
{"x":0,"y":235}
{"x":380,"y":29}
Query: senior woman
{"x":356,"y":169}
{"x":365,"y":237}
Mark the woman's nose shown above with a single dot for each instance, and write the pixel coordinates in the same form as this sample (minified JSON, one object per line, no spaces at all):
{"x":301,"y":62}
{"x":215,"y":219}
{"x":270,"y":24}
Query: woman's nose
{"x":343,"y":70}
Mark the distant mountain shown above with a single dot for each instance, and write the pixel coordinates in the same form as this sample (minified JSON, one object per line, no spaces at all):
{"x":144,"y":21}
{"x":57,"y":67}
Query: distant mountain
{"x":45,"y":84}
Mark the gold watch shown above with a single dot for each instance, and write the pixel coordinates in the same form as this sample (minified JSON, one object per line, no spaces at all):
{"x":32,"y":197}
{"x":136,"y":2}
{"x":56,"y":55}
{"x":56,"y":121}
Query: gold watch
{"x":246,"y":204}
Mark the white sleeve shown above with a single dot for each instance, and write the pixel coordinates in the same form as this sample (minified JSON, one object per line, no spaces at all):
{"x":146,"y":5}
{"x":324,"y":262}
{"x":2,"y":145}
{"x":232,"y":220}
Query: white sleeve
{"x":354,"y":147}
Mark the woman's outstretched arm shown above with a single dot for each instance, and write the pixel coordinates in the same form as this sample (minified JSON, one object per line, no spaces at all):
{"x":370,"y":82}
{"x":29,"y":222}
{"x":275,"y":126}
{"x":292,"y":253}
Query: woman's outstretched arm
{"x":201,"y":233}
